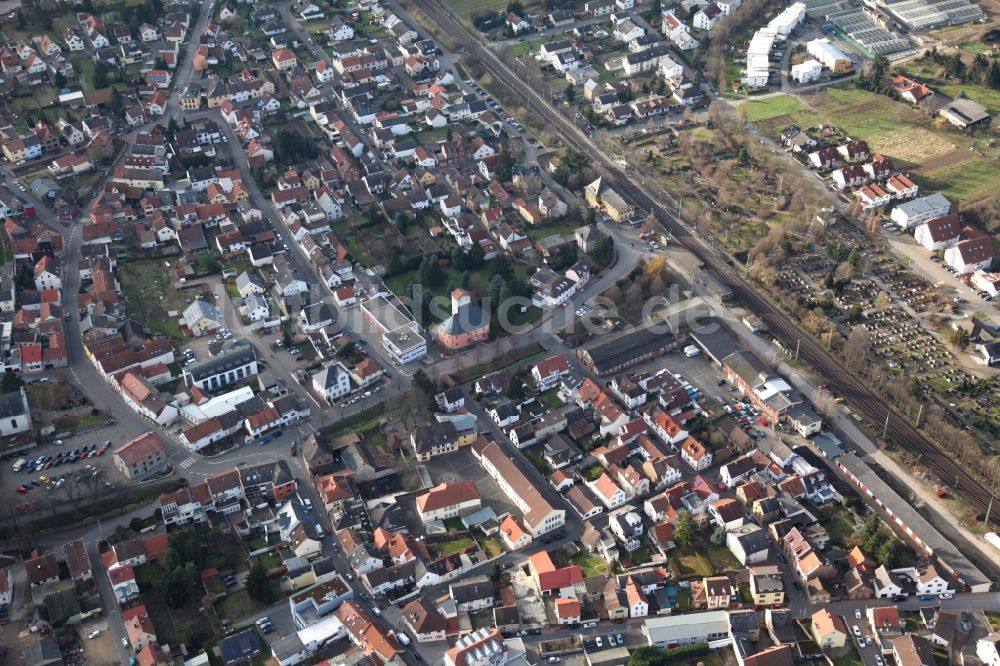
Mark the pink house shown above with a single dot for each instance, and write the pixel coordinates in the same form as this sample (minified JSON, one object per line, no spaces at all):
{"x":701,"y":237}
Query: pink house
{"x":467,"y":325}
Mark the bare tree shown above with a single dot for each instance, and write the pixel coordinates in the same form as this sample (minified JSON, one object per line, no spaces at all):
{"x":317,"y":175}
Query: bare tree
{"x":825,"y":403}
{"x":856,"y":350}
{"x":775,"y":358}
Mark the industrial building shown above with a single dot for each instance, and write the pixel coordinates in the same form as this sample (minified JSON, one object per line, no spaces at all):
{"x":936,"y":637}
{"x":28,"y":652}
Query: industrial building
{"x":829,"y":55}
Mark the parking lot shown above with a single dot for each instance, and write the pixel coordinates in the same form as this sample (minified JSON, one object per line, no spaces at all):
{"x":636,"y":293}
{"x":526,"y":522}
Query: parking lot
{"x":66,"y":471}
{"x":461,"y":466}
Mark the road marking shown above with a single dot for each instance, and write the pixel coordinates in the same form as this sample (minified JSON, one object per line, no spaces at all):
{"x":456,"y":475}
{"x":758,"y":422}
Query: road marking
{"x":187,"y":462}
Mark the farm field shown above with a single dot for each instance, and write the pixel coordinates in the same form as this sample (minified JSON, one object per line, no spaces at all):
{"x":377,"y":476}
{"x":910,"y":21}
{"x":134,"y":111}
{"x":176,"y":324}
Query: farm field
{"x":938,"y":155}
{"x":772,"y":107}
{"x":466,"y":8}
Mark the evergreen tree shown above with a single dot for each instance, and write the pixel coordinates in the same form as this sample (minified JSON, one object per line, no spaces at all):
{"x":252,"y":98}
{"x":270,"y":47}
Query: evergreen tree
{"x":477,"y":257}
{"x":422,"y":381}
{"x":684,"y":529}
{"x":458,"y":259}
{"x":258,"y":586}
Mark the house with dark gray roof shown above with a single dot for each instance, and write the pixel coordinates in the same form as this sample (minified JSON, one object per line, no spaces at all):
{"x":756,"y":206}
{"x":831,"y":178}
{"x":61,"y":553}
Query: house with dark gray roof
{"x":235,"y":362}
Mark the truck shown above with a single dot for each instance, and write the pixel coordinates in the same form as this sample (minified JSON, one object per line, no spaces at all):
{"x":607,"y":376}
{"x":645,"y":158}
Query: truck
{"x":18,"y":464}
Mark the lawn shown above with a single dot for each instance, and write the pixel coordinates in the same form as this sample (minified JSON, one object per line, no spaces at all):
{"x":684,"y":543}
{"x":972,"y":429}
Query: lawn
{"x":490,"y":546}
{"x":84,"y":69}
{"x":967,"y":181}
{"x":150,"y":295}
{"x":839,"y":523}
{"x":771,"y":107}
{"x":563,"y":228}
{"x":603,"y":75}
{"x":79,"y":421}
{"x":849,"y":658}
{"x":430,"y":136}
{"x":270,"y":560}
{"x":702,"y":560}
{"x":238,"y":605}
{"x":50,"y":396}
{"x":551,"y":398}
{"x":974,"y":47}
{"x":526,"y":47}
{"x":454,"y":546}
{"x":467,"y":8}
{"x":454,"y":523}
{"x":592,"y":565}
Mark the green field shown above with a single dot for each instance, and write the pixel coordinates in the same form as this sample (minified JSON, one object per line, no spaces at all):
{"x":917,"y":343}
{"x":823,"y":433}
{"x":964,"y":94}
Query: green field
{"x":702,"y":560}
{"x":454,"y":546}
{"x":592,"y":565}
{"x":467,"y":8}
{"x":974,"y":47}
{"x":771,"y":107}
{"x":523,"y":48}
{"x":966,"y":181}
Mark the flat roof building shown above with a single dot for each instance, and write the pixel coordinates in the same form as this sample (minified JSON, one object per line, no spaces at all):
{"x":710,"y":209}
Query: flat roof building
{"x":401,"y":336}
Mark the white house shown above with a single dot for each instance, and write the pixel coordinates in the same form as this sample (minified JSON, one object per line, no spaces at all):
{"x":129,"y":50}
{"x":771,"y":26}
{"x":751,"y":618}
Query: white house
{"x":939,"y":233}
{"x":15,"y":416}
{"x":332,"y":382}
{"x":549,"y":371}
{"x":988,"y":649}
{"x":707,"y":17}
{"x":609,"y":492}
{"x":911,"y":213}
{"x":807,"y":72}
{"x":970,"y":255}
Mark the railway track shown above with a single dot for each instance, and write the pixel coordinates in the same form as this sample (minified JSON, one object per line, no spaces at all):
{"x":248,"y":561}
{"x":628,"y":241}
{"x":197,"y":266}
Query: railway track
{"x":860,"y":396}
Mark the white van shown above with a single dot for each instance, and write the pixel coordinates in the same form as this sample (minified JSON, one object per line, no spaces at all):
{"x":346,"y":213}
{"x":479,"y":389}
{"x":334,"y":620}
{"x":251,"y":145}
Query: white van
{"x":94,"y":634}
{"x":320,"y":533}
{"x":403,"y":638}
{"x":691,"y":351}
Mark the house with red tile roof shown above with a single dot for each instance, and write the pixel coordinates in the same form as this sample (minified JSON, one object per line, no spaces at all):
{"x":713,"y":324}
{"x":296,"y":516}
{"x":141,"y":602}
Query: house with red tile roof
{"x":568,"y":610}
{"x":141,"y":457}
{"x":139,"y":627}
{"x":448,"y":500}
{"x":549,"y":579}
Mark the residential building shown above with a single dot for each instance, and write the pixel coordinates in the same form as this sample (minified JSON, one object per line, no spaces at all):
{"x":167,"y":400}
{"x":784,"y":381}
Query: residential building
{"x":141,"y":457}
{"x":448,"y":500}
{"x":540,"y":517}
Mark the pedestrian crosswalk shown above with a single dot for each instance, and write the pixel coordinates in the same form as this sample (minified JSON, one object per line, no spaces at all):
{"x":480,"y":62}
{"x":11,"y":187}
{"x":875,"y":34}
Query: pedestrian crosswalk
{"x":187,"y":462}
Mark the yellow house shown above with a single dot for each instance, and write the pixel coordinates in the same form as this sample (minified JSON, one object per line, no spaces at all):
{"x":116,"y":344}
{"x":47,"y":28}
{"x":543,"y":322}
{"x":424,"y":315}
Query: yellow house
{"x":598,"y":195}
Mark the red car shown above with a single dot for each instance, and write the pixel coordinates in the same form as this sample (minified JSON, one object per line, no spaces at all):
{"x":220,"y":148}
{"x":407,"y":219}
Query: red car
{"x":763,"y":421}
{"x":100,"y":451}
{"x":22,"y":489}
